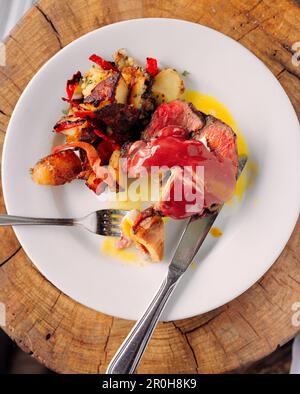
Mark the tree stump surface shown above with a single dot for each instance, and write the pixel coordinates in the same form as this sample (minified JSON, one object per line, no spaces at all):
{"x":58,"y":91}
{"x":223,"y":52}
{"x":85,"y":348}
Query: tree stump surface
{"x":70,"y":338}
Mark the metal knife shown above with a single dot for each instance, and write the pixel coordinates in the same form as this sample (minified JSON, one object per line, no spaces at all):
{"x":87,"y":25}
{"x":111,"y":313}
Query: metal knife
{"x":131,"y":351}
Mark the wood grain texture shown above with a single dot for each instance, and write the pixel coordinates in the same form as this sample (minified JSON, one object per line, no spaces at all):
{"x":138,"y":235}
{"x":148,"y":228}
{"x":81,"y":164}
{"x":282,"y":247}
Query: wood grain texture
{"x":69,"y":337}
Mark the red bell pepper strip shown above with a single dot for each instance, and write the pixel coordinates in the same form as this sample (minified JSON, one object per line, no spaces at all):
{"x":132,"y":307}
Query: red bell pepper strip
{"x":85,"y":114}
{"x":68,"y":124}
{"x":105,"y":149}
{"x":73,"y":103}
{"x":113,"y":144}
{"x":102,"y":63}
{"x":72,"y":85}
{"x":152,"y":67}
{"x":101,"y":135}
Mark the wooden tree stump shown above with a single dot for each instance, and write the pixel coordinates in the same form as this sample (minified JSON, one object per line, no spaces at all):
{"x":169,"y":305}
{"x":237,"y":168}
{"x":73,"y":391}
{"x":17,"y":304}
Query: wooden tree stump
{"x":68,"y":337}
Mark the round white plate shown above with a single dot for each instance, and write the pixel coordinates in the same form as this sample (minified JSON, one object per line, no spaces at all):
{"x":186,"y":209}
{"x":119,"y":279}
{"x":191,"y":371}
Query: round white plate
{"x":255,"y":232}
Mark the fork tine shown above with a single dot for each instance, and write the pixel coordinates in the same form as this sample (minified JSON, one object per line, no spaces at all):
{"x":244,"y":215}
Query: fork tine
{"x":104,"y":222}
{"x":109,"y":228}
{"x":116,"y":221}
{"x":110,"y":212}
{"x":112,"y":232}
{"x":115,"y":228}
{"x":110,"y":219}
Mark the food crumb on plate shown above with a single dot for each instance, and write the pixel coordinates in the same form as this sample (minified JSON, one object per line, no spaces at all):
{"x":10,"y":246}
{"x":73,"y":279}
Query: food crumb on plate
{"x":126,"y":256}
{"x":216,"y":232}
{"x":109,"y":247}
{"x":193,"y":265}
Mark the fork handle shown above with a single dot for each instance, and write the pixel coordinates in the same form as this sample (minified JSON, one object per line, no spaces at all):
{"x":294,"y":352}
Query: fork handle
{"x":9,"y":220}
{"x":130,"y":353}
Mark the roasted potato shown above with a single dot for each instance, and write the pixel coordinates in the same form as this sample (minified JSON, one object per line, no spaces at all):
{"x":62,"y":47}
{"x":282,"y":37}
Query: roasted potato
{"x":92,"y":78}
{"x":167,"y":86}
{"x":114,"y":164}
{"x":131,"y":74}
{"x":57,"y":169}
{"x":114,"y":160}
{"x":139,"y":83}
{"x":84,"y":107}
{"x":148,"y":235}
{"x":65,"y":126}
{"x":137,"y":91}
{"x":121,"y":91}
{"x":123,"y":60}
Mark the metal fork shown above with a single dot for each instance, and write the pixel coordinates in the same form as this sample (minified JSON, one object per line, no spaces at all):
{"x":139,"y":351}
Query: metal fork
{"x":102,"y":222}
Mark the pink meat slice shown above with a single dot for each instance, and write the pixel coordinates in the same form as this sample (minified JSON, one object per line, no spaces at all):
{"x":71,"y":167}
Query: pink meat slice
{"x":176,"y":113}
{"x":220,"y":139}
{"x":219,"y":174}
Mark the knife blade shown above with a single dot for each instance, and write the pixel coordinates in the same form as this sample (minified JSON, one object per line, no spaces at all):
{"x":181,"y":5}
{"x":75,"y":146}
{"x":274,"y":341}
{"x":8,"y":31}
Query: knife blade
{"x":195,"y":233}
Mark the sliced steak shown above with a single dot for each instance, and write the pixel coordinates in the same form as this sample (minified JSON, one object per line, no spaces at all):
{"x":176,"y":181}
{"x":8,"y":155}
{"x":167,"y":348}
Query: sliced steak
{"x":183,"y":157}
{"x":175,"y":113}
{"x":220,"y":138}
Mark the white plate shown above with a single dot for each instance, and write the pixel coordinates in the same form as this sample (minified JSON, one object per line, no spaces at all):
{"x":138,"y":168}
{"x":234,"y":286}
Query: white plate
{"x":254,"y":234}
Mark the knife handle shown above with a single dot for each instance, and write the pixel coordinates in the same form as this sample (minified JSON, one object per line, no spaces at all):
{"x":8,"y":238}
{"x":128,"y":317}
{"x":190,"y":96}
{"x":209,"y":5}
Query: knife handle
{"x":129,"y":354}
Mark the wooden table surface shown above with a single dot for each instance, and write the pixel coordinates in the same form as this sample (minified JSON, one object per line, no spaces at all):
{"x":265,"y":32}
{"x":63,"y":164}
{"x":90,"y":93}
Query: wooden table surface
{"x":68,"y":337}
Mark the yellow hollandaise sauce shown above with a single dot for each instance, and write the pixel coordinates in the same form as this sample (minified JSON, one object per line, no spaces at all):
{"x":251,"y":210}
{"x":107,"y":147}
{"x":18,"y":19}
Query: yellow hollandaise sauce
{"x":109,"y":247}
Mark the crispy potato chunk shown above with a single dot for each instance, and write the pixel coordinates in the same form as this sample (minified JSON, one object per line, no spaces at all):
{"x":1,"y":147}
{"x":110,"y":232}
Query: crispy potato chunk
{"x":137,"y":91}
{"x":167,"y":86}
{"x":121,"y":91}
{"x":57,"y":169}
{"x":131,"y":74}
{"x":148,"y":235}
{"x":72,"y":134}
{"x":112,"y":88}
{"x":92,"y":78}
{"x":139,"y":84}
{"x":123,"y":60}
{"x":114,"y":160}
